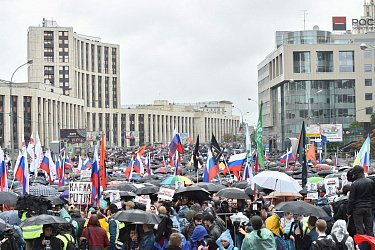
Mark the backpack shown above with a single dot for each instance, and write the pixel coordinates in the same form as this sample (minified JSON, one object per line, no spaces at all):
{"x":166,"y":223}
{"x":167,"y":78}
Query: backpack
{"x":70,"y":245}
{"x":340,"y":245}
{"x":325,"y":243}
{"x":303,"y":240}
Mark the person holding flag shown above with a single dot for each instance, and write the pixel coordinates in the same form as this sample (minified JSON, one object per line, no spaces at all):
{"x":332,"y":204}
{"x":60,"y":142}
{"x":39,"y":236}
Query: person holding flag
{"x":95,"y":179}
{"x":21,"y":170}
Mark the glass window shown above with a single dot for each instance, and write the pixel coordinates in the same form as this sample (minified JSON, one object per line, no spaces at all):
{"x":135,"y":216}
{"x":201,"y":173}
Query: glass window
{"x":301,"y":62}
{"x":367,"y":54}
{"x":325,"y":61}
{"x":368,"y":82}
{"x":369,"y":110}
{"x":346,"y":63}
{"x":368,"y":96}
{"x":368,"y":67}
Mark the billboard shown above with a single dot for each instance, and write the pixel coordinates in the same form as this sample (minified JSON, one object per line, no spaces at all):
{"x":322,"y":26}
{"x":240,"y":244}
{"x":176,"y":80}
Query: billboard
{"x":73,"y":135}
{"x":313,"y":130}
{"x":331,"y":132}
{"x":132,"y":135}
{"x":339,"y":23}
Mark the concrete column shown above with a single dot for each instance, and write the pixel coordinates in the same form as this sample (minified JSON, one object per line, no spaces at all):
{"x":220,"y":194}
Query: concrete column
{"x":127,"y":125}
{"x":151,"y":128}
{"x":165,"y":137}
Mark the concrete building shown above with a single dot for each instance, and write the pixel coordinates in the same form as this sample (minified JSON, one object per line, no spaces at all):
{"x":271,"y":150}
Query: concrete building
{"x":319,"y":77}
{"x":74,"y":83}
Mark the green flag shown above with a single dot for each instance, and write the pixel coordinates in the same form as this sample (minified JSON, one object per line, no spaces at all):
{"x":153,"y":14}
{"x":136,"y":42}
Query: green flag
{"x":259,"y":138}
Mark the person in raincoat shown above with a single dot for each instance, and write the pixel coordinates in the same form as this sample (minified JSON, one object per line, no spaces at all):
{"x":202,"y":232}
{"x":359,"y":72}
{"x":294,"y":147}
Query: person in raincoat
{"x":225,"y":241}
{"x":260,"y":238}
{"x":340,"y":235}
{"x":198,"y":238}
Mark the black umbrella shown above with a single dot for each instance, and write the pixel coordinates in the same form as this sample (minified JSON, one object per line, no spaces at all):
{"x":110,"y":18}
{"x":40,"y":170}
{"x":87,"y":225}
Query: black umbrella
{"x":8,"y":198}
{"x":42,"y":220}
{"x":249,"y":191}
{"x":211,"y":187}
{"x":136,"y":216}
{"x":241,"y":184}
{"x":193,"y":193}
{"x":127,"y":194}
{"x":126,"y":187}
{"x":55,"y":200}
{"x":302,"y":208}
{"x":62,"y":188}
{"x":147,"y":189}
{"x":233,"y":193}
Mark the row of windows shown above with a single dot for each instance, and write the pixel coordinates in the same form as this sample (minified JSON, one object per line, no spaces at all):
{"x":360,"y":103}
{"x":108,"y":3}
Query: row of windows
{"x":302,"y":61}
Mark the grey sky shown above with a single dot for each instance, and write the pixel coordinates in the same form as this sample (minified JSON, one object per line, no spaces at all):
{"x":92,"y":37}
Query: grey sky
{"x":182,"y":51}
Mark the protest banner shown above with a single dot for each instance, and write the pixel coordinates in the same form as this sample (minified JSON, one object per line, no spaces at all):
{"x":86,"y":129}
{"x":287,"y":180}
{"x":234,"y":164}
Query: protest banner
{"x":166,"y":194}
{"x":80,"y":192}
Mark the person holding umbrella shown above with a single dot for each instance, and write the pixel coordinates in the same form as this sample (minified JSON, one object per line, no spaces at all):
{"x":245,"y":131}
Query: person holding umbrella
{"x":47,"y":240}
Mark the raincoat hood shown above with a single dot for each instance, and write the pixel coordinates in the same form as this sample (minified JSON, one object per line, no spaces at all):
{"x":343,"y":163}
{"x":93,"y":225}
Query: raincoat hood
{"x":274,"y":225}
{"x":339,"y":230}
{"x":93,"y":221}
{"x":198,"y":233}
{"x":225,"y":236}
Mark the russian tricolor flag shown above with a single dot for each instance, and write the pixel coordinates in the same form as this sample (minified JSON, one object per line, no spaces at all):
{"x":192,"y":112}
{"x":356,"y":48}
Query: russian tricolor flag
{"x":236,"y":161}
{"x":286,"y":157}
{"x":86,"y":164}
{"x":138,"y":165}
{"x":148,"y":165}
{"x":22,"y":171}
{"x":175,"y":144}
{"x":45,"y":166}
{"x":128,"y":171}
{"x":211,"y":169}
{"x":95,"y":179}
{"x":60,"y":172}
{"x":3,"y":172}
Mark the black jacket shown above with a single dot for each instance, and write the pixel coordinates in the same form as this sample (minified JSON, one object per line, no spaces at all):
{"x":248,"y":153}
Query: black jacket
{"x":361,"y":194}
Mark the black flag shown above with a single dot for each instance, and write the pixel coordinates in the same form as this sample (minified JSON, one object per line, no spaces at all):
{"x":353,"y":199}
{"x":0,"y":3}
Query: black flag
{"x":215,"y":149}
{"x":301,"y":150}
{"x":196,"y":154}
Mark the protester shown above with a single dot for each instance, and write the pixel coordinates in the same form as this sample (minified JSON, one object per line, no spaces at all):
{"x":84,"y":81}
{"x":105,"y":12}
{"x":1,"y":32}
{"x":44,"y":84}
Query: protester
{"x":148,"y":238}
{"x":175,"y":242}
{"x":47,"y":240}
{"x":260,"y":238}
{"x":341,"y":237}
{"x":323,"y":241}
{"x":225,"y":242}
{"x":96,"y":236}
{"x":212,"y":229}
{"x":198,"y":238}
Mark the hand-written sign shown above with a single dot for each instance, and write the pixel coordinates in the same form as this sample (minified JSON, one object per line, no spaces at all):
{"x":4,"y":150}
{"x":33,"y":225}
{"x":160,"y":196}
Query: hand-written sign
{"x":166,"y":194}
{"x":80,"y":192}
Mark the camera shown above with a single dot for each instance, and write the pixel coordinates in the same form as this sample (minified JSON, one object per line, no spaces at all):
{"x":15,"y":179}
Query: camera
{"x":83,"y":243}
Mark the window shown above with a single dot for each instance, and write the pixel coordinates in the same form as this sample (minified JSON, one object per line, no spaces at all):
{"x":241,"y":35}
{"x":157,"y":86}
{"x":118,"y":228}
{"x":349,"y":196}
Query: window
{"x":48,"y":58}
{"x":325,"y":61}
{"x":301,"y":62}
{"x":368,"y":82}
{"x":368,"y":96}
{"x":367,"y":54}
{"x":369,"y":110}
{"x":346,"y":59}
{"x":368,"y":67}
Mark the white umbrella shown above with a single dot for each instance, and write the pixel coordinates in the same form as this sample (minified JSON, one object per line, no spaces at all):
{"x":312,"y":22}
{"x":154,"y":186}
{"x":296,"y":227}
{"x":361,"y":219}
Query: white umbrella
{"x":277,"y":181}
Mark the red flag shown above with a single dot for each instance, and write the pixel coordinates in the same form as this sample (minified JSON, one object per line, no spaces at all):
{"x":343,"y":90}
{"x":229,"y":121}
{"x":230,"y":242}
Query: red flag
{"x":103,"y":172}
{"x":141,"y":151}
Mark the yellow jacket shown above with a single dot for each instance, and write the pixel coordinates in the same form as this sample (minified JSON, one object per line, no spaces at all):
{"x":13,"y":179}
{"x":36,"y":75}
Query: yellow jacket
{"x":274,"y":225}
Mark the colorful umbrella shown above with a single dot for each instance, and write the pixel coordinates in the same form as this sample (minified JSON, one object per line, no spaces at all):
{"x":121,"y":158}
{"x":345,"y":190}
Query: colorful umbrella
{"x":315,"y":179}
{"x":171,"y":180}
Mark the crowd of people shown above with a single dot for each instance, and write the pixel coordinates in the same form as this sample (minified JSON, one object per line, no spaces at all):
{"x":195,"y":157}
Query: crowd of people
{"x":188,"y":224}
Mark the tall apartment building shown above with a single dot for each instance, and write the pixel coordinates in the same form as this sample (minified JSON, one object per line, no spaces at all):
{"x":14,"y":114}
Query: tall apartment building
{"x":319,"y":77}
{"x":74,"y":83}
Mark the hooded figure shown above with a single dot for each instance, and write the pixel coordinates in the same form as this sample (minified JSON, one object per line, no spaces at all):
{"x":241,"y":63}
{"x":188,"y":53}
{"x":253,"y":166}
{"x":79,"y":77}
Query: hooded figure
{"x":259,"y":238}
{"x":339,"y":233}
{"x":223,"y":241}
{"x":96,"y":236}
{"x":197,"y":238}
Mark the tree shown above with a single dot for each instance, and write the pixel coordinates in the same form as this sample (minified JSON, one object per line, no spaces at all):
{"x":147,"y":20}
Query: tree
{"x":357,"y":146}
{"x":373,"y":119}
{"x":357,"y":124}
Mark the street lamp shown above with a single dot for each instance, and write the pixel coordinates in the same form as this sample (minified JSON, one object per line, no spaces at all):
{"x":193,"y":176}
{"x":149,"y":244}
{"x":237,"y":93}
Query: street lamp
{"x":11,"y":106}
{"x":240,"y":113}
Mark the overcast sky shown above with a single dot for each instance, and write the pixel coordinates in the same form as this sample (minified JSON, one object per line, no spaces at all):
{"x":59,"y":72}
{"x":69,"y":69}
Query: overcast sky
{"x":179,"y":50}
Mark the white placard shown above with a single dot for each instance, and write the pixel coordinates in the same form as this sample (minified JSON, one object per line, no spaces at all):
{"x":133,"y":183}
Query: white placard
{"x":80,"y":192}
{"x":166,"y":194}
{"x":147,"y":202}
{"x":312,"y":187}
{"x":330,"y":185}
{"x":85,"y":174}
{"x":312,"y":196}
{"x":179,"y":184}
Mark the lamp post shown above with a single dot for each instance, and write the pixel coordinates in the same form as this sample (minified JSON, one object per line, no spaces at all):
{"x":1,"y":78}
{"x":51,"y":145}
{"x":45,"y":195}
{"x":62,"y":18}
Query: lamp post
{"x":11,"y":106}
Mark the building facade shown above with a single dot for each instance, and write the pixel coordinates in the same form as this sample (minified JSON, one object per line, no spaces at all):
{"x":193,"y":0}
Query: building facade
{"x":318,"y":77}
{"x":74,"y":83}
